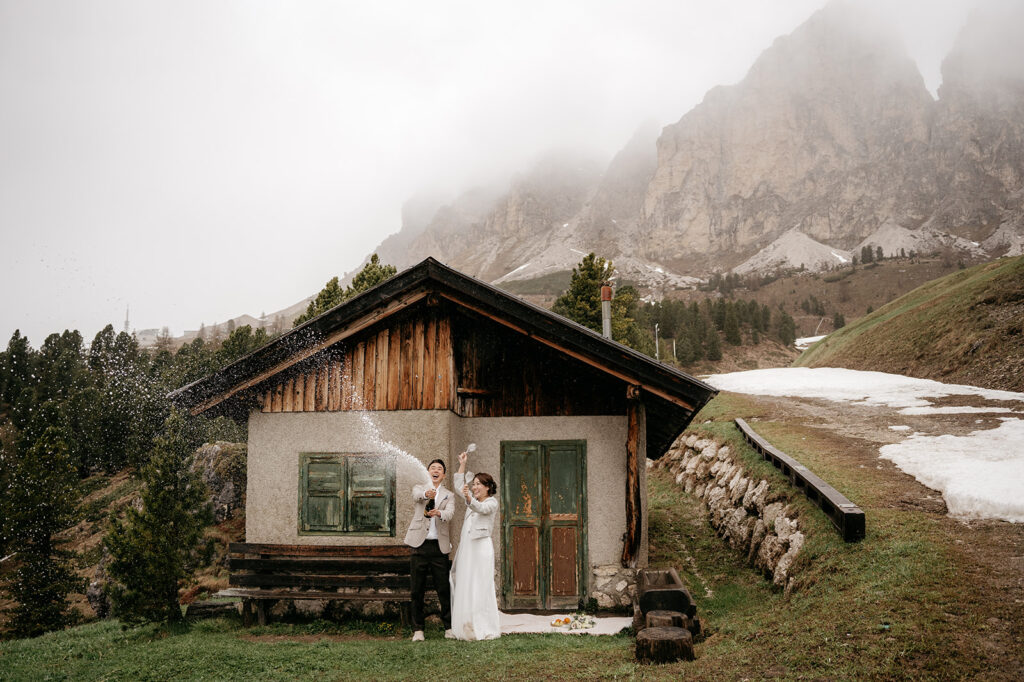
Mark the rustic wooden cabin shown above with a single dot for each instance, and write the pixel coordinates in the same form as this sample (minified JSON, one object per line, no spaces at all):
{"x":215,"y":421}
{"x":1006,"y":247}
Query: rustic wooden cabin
{"x":424,"y":364}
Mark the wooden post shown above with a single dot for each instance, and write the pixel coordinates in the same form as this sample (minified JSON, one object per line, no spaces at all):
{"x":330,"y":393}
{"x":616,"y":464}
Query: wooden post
{"x":631,"y":544}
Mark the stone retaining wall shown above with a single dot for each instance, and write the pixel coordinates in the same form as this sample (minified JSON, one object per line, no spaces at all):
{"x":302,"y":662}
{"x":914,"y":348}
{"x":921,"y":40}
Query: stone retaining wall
{"x":747,"y":513}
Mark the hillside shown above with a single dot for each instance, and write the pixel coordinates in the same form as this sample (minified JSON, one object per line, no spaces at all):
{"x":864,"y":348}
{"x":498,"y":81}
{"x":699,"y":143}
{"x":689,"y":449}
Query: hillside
{"x":962,"y":328}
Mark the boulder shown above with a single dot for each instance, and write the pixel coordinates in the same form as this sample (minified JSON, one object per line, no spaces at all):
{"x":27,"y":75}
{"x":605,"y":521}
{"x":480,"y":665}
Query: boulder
{"x":222,"y":466}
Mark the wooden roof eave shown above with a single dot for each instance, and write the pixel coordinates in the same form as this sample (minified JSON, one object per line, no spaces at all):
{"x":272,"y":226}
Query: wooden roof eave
{"x":308,"y":350}
{"x":411,"y":286}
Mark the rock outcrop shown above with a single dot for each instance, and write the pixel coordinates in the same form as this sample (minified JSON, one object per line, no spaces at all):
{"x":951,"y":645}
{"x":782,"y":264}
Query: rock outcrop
{"x":832,"y":135}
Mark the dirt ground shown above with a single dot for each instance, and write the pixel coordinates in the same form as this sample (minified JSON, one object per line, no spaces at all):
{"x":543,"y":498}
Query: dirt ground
{"x":988,"y":554}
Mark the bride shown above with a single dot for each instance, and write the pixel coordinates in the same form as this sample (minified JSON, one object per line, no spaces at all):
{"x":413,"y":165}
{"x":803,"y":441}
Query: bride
{"x":474,"y":603}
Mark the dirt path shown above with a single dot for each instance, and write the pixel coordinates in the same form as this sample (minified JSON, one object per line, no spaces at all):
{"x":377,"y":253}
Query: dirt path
{"x":988,"y":555}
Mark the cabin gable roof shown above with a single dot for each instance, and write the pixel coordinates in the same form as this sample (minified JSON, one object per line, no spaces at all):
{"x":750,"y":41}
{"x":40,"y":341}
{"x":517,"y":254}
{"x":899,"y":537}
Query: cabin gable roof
{"x":673,"y":396}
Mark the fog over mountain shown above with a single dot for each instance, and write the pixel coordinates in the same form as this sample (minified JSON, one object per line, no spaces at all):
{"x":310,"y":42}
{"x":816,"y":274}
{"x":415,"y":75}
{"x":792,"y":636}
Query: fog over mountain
{"x":832,"y":134}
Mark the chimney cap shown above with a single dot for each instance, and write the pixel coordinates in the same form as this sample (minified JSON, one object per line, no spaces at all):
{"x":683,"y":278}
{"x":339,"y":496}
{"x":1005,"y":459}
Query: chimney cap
{"x":606,"y":293}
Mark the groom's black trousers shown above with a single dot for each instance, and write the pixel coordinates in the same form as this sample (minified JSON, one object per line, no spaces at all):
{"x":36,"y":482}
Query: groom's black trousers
{"x":428,"y":559}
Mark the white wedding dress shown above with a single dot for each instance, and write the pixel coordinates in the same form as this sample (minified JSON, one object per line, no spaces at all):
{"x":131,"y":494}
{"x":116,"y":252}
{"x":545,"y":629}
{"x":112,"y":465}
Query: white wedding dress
{"x":474,"y":602}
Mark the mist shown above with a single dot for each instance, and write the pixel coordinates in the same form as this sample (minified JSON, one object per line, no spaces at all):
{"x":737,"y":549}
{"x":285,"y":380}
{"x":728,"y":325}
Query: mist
{"x":196,"y":161}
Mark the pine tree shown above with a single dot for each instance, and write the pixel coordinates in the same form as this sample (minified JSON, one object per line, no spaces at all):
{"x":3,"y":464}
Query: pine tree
{"x":372,"y":274}
{"x":714,"y":344}
{"x":785,"y":328}
{"x":581,"y":302}
{"x":156,"y":548}
{"x":41,"y":495}
{"x":731,"y":327}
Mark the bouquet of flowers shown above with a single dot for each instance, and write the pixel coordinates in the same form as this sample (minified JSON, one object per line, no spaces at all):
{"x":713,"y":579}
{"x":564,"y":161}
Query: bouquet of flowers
{"x":581,"y":621}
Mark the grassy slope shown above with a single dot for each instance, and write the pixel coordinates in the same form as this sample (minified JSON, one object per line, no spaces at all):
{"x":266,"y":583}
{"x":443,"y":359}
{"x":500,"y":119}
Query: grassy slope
{"x":962,"y":328}
{"x":893,"y":606}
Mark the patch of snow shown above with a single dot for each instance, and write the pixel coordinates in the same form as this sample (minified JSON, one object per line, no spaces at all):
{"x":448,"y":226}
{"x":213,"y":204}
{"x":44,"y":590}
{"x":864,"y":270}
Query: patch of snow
{"x":952,"y":409}
{"x":848,"y":385}
{"x":979,"y":474}
{"x":793,"y":249}
{"x":901,"y":427}
{"x":806,"y":342}
{"x":577,"y":251}
{"x":509,"y":274}
{"x":565,"y":224}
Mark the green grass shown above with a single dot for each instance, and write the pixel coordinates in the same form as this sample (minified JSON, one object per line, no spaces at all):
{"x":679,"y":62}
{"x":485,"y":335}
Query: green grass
{"x":221,"y":649}
{"x":964,"y":326}
{"x":553,"y":283}
{"x":893,"y":606}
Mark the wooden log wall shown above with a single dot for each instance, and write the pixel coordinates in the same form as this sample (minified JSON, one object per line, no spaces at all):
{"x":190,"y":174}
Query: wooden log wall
{"x":504,"y":374}
{"x":404,"y":364}
{"x":443,"y":358}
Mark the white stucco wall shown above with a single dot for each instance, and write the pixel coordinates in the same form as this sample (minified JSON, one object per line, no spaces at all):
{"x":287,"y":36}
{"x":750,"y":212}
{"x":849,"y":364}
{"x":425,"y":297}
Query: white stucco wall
{"x":276,"y":441}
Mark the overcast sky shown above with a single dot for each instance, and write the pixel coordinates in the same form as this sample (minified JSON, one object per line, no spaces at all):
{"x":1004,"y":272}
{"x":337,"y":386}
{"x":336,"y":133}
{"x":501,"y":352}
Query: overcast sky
{"x":201,"y":160}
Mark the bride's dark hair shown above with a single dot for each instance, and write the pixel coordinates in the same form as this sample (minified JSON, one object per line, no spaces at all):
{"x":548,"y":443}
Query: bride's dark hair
{"x":487,"y":481}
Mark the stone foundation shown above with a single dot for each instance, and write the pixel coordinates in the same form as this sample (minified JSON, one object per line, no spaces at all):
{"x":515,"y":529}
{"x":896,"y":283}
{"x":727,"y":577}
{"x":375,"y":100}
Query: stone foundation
{"x":613,"y":586}
{"x":747,"y":513}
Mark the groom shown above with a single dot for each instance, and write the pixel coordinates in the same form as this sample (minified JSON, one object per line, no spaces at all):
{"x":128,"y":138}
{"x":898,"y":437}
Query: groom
{"x":428,"y":536}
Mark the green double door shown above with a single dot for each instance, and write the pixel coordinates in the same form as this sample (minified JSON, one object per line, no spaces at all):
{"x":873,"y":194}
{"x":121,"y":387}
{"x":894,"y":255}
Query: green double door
{"x":543,"y":491}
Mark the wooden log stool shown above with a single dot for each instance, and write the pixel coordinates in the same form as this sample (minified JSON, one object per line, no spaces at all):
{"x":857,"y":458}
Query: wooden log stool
{"x":664,"y":645}
{"x":667,"y":619}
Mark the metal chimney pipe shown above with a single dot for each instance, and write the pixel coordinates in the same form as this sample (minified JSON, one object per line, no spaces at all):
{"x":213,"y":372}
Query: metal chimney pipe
{"x":606,"y":312}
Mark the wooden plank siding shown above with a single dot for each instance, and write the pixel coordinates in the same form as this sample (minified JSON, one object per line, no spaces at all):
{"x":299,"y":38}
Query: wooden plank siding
{"x":437,"y":357}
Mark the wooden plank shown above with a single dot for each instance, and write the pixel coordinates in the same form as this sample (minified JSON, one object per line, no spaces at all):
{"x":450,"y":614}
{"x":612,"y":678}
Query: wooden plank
{"x":333,"y":385}
{"x":355,"y":327}
{"x":631,"y":543}
{"x":299,"y":396}
{"x":846,"y":516}
{"x":277,"y":400}
{"x":345,"y":380}
{"x":563,"y":561}
{"x":267,"y":549}
{"x":418,"y":343}
{"x":309,"y":392}
{"x":288,"y":395}
{"x":256,"y":593}
{"x":394,"y":365}
{"x":321,"y":581}
{"x":324,"y":565}
{"x":430,"y":363}
{"x":268,"y":399}
{"x":370,"y":374}
{"x":380,"y":401}
{"x":405,"y":397}
{"x":355,"y":361}
{"x":322,"y":380}
{"x":443,"y":391}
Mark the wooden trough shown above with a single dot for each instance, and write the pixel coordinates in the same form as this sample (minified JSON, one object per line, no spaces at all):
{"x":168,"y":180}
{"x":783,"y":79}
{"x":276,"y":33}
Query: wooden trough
{"x":847,"y":517}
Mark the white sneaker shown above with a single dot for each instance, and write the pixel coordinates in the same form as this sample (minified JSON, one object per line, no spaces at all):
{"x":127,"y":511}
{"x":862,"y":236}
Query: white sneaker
{"x":417,"y":636}
{"x":448,"y":634}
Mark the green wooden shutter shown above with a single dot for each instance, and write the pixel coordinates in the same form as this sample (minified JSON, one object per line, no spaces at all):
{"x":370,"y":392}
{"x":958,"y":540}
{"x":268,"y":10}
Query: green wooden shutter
{"x":323,"y":493}
{"x":371,"y":483}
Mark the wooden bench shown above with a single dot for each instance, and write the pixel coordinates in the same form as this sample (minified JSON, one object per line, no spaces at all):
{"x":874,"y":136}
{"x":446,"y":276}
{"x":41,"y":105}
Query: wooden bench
{"x":262,"y":574}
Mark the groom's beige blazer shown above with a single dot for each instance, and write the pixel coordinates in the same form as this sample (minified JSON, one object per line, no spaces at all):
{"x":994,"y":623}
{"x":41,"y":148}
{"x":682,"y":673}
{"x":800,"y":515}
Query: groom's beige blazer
{"x":420,"y":524}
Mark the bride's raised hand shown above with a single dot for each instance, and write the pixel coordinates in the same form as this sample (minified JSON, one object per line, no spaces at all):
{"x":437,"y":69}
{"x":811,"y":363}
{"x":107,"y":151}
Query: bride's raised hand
{"x":462,"y":458}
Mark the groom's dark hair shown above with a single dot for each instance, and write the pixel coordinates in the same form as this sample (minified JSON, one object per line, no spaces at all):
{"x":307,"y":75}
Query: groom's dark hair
{"x":438,"y":461}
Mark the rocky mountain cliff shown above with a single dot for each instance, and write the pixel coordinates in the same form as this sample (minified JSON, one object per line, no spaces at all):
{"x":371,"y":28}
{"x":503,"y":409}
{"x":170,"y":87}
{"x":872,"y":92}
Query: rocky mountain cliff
{"x":830,"y":137}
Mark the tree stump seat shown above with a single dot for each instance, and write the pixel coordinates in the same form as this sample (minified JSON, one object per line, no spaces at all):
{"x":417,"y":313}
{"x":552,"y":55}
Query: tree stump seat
{"x":664,"y":645}
{"x":667,"y":619}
